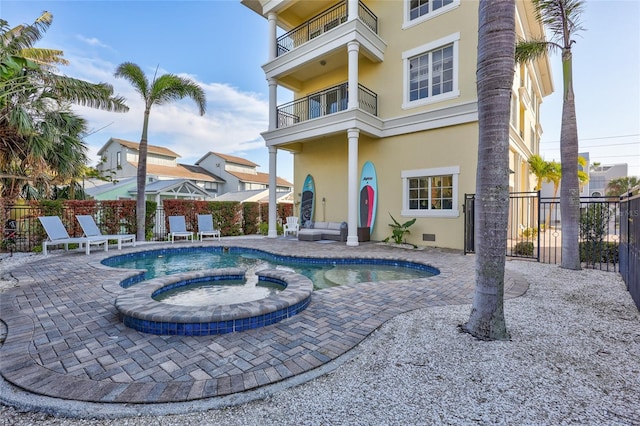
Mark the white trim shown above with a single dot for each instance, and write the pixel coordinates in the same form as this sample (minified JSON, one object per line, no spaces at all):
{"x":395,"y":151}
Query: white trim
{"x":408,"y":23}
{"x":454,"y":171}
{"x":426,"y":48}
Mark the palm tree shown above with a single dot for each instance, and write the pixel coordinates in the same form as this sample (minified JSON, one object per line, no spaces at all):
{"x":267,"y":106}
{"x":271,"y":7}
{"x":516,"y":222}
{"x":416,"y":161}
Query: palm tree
{"x":622,"y":185}
{"x":496,"y":43}
{"x":40,"y":136}
{"x":161,"y":90}
{"x":554,"y":175}
{"x":561,"y":18}
{"x":539,"y":167}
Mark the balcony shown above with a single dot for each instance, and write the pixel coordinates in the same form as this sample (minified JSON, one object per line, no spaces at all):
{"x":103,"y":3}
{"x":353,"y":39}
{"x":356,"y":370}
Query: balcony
{"x":325,"y":21}
{"x":320,"y":104}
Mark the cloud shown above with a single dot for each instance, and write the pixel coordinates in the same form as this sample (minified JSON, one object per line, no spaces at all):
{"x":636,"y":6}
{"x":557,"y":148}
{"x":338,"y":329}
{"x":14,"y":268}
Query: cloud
{"x":92,"y":41}
{"x":232,"y":123}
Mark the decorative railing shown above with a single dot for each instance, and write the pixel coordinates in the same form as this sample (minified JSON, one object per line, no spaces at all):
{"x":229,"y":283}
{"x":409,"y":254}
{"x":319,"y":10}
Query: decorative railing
{"x":323,"y":103}
{"x":322,"y":23}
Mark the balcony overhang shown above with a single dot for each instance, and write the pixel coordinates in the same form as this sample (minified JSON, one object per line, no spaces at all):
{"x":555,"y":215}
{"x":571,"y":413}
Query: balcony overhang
{"x":327,"y":125}
{"x":370,"y":125}
{"x":302,"y":63}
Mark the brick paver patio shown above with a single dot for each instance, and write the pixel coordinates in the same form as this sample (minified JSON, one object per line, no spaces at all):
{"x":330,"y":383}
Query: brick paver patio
{"x":65,"y":340}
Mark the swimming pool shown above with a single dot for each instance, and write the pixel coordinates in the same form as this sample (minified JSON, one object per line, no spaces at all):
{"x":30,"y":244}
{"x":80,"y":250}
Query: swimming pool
{"x":179,"y":268}
{"x":323,"y":272}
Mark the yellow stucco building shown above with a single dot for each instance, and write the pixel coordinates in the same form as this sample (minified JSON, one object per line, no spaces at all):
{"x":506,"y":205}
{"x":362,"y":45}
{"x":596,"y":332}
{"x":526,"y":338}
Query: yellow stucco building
{"x":393,"y":83}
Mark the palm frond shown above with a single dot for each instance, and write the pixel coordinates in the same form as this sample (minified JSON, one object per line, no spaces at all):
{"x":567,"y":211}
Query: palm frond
{"x":134,"y":75}
{"x":560,"y":17}
{"x":529,"y":50}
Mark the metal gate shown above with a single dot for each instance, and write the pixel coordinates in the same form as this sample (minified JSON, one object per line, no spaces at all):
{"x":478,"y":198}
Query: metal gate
{"x":523,"y":232}
{"x":534,"y":229}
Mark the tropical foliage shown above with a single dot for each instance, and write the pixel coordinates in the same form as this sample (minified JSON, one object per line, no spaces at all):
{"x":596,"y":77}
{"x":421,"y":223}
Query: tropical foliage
{"x":161,"y":90}
{"x":41,"y":138}
{"x":399,"y":230}
{"x":620,"y":186}
{"x":495,"y":72}
{"x":562,"y":19}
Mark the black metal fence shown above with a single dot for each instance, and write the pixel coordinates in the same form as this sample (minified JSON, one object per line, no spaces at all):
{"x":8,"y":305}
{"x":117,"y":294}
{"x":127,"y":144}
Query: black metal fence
{"x":630,"y":245}
{"x":534,"y":229}
{"x":23,"y":232}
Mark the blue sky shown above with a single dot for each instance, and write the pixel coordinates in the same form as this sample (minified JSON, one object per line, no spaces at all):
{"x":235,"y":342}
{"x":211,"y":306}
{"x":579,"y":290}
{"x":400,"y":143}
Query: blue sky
{"x":222,"y":45}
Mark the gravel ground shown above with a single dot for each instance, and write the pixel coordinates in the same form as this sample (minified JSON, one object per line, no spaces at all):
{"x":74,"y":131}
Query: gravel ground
{"x":573,"y":358}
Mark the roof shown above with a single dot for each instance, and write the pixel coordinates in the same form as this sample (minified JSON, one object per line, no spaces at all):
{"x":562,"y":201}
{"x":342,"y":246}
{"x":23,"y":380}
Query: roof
{"x":161,"y":186}
{"x":181,"y":171}
{"x":151,"y":149}
{"x":259,"y":178}
{"x":255,"y":195}
{"x":94,"y":187}
{"x":230,"y":159}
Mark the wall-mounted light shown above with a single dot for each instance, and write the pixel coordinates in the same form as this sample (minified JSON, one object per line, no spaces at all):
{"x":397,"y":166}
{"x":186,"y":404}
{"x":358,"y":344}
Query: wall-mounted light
{"x":323,"y":200}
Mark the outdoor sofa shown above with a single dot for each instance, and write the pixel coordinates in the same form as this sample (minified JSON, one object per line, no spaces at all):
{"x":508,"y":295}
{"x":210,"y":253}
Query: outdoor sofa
{"x":316,"y":231}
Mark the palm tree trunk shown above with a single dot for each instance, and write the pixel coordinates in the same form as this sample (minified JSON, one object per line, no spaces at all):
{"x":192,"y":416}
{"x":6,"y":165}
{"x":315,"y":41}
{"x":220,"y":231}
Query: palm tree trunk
{"x":570,"y":189}
{"x":141,"y":212}
{"x":496,"y":63}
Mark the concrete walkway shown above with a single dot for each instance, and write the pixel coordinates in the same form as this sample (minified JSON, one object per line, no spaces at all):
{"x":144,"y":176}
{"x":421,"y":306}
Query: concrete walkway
{"x":64,"y":338}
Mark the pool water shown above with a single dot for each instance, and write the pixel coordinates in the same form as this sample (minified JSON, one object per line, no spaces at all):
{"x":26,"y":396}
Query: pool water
{"x":217,"y":292}
{"x":323,"y":273}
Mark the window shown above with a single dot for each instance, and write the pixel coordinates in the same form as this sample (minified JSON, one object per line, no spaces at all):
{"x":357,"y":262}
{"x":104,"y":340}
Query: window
{"x":421,"y":10}
{"x":430,"y":192}
{"x":438,"y":65}
{"x":431,"y":72}
{"x":417,"y":8}
{"x":118,"y":159}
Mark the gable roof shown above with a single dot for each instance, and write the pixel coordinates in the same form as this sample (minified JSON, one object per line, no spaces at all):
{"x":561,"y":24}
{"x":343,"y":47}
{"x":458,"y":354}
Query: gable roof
{"x":230,"y":159}
{"x":163,"y":186}
{"x":151,"y":149}
{"x":181,"y":171}
{"x":259,"y":177}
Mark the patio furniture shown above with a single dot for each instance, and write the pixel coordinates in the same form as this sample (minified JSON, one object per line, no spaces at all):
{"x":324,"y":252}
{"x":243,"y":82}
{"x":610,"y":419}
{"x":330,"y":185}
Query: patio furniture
{"x":178,"y":228}
{"x":90,"y":229}
{"x":205,"y":227}
{"x":57,"y":234}
{"x":336,"y":231}
{"x":292,"y":226}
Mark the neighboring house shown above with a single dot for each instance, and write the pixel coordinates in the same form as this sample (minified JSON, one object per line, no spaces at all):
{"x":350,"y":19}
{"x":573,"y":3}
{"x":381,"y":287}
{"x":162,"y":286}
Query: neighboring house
{"x":239,"y":174}
{"x":156,"y":190}
{"x":599,"y":178}
{"x":119,"y":159}
{"x":394,"y":83}
{"x":215,"y":174}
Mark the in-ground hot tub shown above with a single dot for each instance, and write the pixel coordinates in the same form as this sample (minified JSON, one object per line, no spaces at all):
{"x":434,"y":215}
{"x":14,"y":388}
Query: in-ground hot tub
{"x":140,"y":311}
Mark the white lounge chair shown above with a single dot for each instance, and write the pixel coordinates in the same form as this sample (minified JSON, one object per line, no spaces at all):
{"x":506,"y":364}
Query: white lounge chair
{"x":57,"y":234}
{"x":206,"y":228}
{"x":292,"y":226}
{"x":178,"y":228}
{"x":90,"y":229}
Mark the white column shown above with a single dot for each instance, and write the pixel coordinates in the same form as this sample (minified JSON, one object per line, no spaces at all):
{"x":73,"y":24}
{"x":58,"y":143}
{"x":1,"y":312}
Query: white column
{"x":352,"y":10}
{"x":273,"y":19}
{"x":353,"y":48}
{"x":273,"y":207}
{"x":273,"y":103}
{"x":352,"y":188}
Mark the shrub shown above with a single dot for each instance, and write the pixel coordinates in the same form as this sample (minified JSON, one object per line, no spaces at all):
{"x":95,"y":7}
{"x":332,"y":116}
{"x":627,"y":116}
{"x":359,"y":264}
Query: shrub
{"x":524,"y":248}
{"x":594,"y":249}
{"x":592,"y":252}
{"x":530,"y":233}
